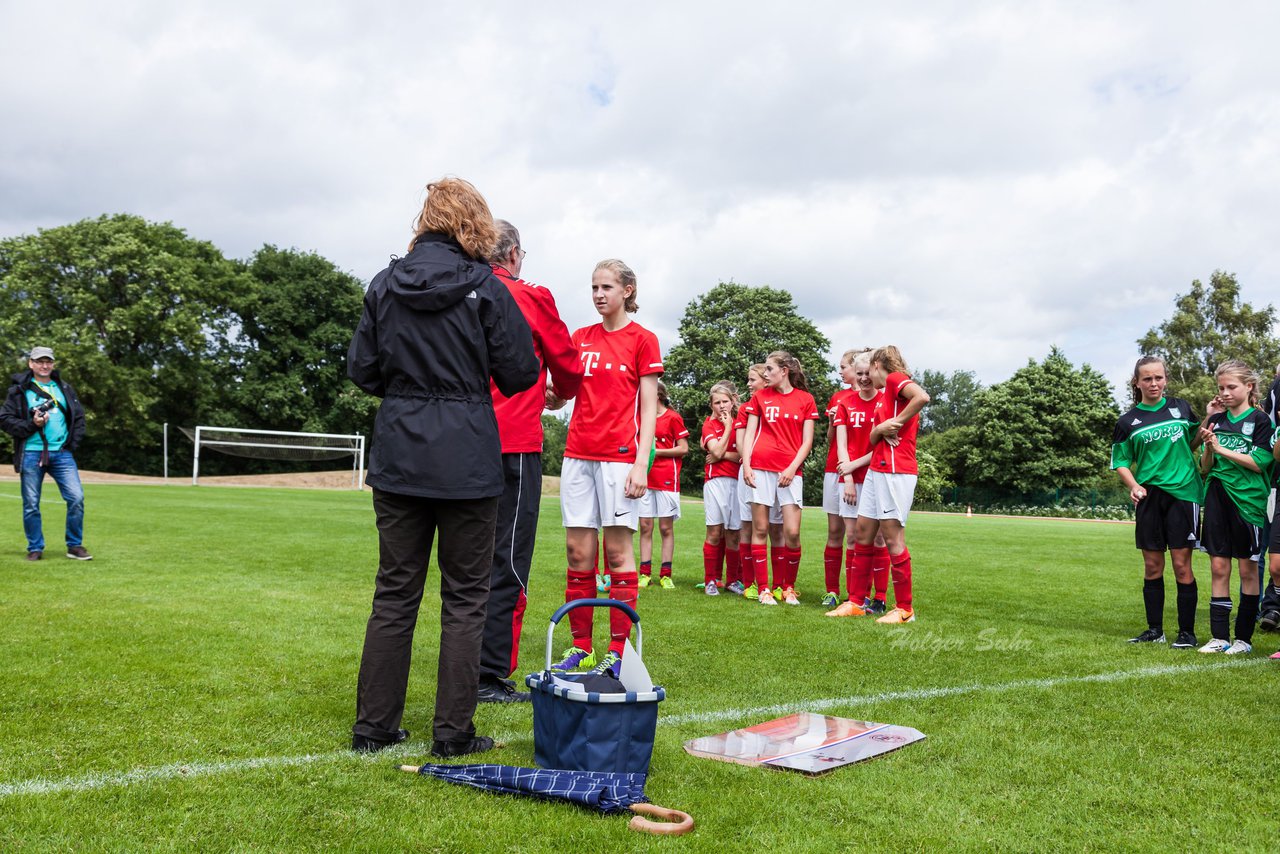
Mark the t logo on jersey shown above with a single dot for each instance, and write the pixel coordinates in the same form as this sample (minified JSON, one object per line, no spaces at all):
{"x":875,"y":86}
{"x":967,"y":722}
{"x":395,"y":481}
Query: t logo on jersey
{"x":858,"y":418}
{"x":589,"y":360}
{"x":771,"y":413}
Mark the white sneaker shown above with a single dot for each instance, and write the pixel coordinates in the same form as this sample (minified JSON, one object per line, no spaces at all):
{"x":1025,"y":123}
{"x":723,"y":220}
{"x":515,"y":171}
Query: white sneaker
{"x":711,"y":589}
{"x":1216,"y":645}
{"x":1239,"y":648}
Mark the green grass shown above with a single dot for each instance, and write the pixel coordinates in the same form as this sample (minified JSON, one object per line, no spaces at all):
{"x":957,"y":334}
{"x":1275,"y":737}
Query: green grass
{"x":221,"y":626}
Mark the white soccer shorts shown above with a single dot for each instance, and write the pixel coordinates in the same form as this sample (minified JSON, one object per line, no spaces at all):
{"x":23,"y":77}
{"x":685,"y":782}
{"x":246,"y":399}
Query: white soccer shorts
{"x":593,"y":495}
{"x":720,"y":503}
{"x":659,"y":504}
{"x":887,"y":496}
{"x":744,"y":504}
{"x":833,"y":503}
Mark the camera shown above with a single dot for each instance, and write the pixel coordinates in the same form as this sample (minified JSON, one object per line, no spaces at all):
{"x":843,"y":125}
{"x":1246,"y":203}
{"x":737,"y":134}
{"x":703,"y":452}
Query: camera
{"x":44,"y":406}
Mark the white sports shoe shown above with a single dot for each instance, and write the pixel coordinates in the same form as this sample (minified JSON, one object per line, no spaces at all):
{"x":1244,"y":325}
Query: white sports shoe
{"x":1239,"y":648}
{"x":1216,"y":645}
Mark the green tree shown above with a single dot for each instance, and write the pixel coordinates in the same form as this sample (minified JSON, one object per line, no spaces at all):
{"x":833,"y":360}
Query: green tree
{"x":295,"y":324}
{"x":722,"y":334}
{"x":140,"y":317}
{"x":1047,"y":426}
{"x":1208,"y":326}
{"x":555,"y":431}
{"x":953,"y":400}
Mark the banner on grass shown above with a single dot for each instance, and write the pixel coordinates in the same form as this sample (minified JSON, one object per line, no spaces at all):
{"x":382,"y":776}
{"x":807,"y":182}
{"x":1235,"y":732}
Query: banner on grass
{"x":806,"y":742}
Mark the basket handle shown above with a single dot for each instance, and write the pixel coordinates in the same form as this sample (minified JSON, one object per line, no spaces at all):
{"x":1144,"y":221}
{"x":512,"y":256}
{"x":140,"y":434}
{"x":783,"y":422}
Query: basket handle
{"x":593,"y":603}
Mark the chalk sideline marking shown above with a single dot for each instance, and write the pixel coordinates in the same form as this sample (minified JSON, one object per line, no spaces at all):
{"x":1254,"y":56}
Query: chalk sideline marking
{"x":88,"y":782}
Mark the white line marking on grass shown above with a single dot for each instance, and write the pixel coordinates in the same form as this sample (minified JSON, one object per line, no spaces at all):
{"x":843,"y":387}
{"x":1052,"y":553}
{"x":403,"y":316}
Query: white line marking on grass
{"x":89,"y":782}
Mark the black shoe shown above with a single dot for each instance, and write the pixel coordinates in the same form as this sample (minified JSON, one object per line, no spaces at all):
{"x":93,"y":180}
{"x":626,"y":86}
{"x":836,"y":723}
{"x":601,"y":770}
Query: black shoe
{"x":34,"y":556}
{"x":501,"y":692}
{"x":365,"y":744}
{"x":1149,"y":636}
{"x":449,"y":749}
{"x":1269,"y":621}
{"x":1185,"y":640}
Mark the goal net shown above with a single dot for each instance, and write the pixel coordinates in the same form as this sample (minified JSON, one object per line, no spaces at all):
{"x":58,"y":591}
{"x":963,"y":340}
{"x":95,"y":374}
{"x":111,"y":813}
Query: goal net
{"x":277,"y":445}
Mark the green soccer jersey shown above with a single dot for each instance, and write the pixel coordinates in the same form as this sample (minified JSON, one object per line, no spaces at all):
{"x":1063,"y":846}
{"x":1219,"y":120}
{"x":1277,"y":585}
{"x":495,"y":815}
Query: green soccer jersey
{"x":1154,"y":443}
{"x":1251,"y":434}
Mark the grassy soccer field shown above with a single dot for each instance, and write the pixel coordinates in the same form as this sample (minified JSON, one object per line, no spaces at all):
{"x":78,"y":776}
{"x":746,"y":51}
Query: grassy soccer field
{"x":192,"y":688}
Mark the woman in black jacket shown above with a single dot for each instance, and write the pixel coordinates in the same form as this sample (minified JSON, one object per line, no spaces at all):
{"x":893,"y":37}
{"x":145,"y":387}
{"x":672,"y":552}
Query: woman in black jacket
{"x":436,"y":326}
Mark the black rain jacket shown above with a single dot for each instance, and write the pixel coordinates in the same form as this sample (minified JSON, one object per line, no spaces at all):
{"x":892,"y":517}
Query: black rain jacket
{"x":436,"y":326}
{"x":15,"y":415}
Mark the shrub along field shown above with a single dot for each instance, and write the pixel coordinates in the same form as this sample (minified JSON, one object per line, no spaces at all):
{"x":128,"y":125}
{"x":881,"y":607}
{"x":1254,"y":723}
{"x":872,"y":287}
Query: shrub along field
{"x":193,"y":688}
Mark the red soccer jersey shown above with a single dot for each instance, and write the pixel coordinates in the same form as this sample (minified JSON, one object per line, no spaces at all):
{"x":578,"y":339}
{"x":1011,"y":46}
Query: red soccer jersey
{"x":781,"y":418}
{"x":667,"y":431}
{"x":712,"y":429}
{"x":520,"y":417}
{"x":833,"y":414}
{"x":606,"y":416}
{"x":856,"y":413}
{"x":900,"y":458}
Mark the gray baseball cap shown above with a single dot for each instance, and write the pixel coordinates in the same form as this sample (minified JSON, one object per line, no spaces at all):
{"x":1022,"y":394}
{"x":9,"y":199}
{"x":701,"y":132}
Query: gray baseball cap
{"x":41,"y":353}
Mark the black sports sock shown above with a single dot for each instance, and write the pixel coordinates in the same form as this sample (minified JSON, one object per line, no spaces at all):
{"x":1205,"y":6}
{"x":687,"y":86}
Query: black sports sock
{"x":1247,"y":617}
{"x":1220,"y":617}
{"x":1153,"y":598}
{"x":1187,"y":607}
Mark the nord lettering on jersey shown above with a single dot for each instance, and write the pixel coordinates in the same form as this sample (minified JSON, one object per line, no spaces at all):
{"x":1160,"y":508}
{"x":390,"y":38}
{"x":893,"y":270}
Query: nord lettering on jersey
{"x":771,"y":413}
{"x":589,"y":360}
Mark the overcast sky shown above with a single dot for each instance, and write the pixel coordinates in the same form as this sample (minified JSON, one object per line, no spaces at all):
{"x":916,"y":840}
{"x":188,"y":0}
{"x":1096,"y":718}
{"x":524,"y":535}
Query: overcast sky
{"x":974,"y":182}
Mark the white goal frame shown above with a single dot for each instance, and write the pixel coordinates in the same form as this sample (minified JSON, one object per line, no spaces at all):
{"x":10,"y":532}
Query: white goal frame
{"x":357,"y":464}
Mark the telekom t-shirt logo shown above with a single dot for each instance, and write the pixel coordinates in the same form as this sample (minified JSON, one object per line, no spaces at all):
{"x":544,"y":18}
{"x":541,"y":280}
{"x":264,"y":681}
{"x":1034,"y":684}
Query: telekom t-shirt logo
{"x":589,"y":360}
{"x":857,"y":418}
{"x":771,"y":413}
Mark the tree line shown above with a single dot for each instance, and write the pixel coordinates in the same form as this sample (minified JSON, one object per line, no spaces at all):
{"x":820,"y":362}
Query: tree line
{"x":155,"y":326}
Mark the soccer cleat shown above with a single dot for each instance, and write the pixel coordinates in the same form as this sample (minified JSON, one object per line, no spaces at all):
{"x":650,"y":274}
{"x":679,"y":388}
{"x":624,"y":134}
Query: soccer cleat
{"x":604,"y":582}
{"x":644,"y":580}
{"x":750,"y":592}
{"x":711,"y":589}
{"x":1185,"y":640}
{"x":777,"y":593}
{"x":1216,"y":645}
{"x":1149,"y":636}
{"x":846,"y":609}
{"x":789,"y":597}
{"x":700,"y":585}
{"x":574,"y":658}
{"x":736,"y":588}
{"x":610,"y":665}
{"x":766,"y":597}
{"x":1240,"y":647}
{"x":1275,"y":656}
{"x":877,"y":606}
{"x":898,"y":615}
{"x":1269,"y":620}
{"x":830,"y":600}
{"x":666,"y":583}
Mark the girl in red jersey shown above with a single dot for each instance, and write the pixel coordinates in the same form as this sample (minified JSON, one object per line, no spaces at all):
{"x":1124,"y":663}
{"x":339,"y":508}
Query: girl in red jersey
{"x":720,"y":492}
{"x":885,"y":499}
{"x":841,"y":509}
{"x":606,"y":459}
{"x":853,"y":437}
{"x":779,"y":435}
{"x":662,"y":500}
{"x":746,"y":554}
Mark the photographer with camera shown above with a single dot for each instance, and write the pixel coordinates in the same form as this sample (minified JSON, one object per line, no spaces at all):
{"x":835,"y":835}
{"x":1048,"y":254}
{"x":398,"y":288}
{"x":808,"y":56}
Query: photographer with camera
{"x":46,"y":421}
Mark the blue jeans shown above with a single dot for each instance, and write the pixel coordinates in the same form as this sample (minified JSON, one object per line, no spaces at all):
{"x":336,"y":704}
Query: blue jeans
{"x":62,"y":467}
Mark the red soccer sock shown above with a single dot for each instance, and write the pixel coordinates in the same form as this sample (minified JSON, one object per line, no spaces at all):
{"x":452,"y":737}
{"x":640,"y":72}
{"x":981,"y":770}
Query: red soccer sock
{"x":849,"y":572}
{"x":880,"y":571}
{"x":902,"y":580}
{"x":625,"y":588}
{"x":762,"y":566}
{"x":582,"y":585}
{"x":712,"y":559}
{"x":747,"y":564}
{"x":860,"y":585}
{"x":732,"y":567}
{"x":646,"y":567}
{"x":775,"y":562}
{"x":791,"y":566}
{"x":831,"y":568}
{"x":665,"y":572}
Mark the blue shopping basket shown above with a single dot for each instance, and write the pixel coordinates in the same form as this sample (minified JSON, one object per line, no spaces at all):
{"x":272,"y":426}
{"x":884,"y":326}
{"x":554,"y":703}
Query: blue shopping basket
{"x":586,"y":730}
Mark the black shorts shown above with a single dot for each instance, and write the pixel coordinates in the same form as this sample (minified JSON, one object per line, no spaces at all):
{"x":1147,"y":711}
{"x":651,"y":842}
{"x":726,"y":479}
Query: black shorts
{"x":1165,"y":522}
{"x":1225,"y":534}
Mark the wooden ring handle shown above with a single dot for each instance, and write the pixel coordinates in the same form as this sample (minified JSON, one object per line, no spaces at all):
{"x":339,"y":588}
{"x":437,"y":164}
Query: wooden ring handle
{"x":673,"y":823}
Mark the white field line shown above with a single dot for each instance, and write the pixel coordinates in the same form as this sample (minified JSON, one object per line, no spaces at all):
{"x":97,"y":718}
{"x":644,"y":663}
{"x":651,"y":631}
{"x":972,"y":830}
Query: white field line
{"x":88,"y":782}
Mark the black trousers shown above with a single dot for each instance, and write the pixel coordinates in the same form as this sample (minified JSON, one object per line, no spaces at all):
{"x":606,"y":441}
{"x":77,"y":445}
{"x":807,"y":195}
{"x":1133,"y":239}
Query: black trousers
{"x":407,"y":527}
{"x":512,"y":556}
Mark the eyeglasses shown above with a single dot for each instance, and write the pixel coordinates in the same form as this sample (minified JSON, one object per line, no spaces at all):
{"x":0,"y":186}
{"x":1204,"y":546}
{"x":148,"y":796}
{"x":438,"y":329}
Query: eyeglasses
{"x":43,"y":361}
{"x":522,"y":252}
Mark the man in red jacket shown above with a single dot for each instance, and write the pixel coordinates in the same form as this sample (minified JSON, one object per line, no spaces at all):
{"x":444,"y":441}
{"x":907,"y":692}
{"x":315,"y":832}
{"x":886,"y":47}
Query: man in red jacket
{"x":520,"y":429}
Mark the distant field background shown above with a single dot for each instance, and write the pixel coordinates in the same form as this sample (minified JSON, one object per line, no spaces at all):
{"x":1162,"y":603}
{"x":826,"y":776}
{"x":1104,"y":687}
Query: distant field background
{"x":192,"y":688}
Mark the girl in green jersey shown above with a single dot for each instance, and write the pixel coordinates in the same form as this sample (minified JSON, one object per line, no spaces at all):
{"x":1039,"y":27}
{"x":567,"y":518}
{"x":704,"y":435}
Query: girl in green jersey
{"x":1237,"y":464}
